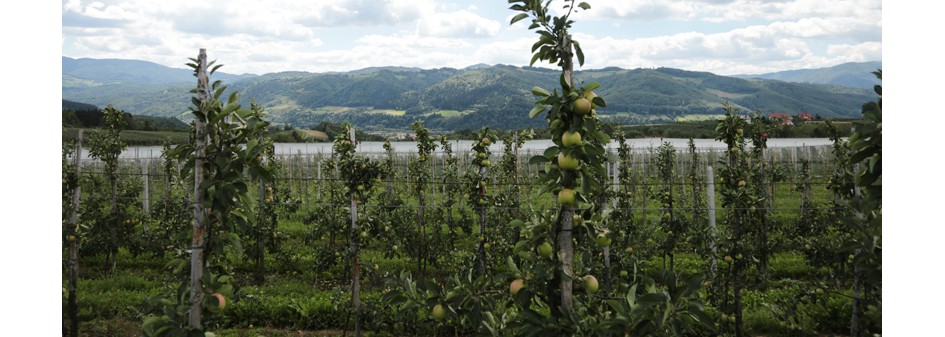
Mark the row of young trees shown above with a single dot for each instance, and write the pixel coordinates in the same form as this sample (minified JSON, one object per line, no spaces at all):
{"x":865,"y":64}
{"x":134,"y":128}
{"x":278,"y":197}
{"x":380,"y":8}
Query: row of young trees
{"x":549,"y":254}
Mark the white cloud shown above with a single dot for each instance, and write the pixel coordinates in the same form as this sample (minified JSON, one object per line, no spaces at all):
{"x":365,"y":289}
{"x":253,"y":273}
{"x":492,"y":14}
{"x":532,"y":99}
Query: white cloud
{"x":360,"y":12}
{"x":461,"y":23}
{"x":723,"y":36}
{"x":646,"y":10}
{"x":777,"y":46}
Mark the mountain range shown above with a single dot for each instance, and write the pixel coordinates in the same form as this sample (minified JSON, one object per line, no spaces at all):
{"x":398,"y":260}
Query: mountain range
{"x":482,"y":95}
{"x":852,"y":74}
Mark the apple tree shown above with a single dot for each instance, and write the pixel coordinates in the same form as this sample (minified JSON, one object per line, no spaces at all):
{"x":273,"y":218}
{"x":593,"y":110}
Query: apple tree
{"x":224,"y":157}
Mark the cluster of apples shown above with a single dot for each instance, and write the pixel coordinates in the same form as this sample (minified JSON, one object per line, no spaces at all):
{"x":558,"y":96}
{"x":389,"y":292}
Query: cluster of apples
{"x":569,"y":139}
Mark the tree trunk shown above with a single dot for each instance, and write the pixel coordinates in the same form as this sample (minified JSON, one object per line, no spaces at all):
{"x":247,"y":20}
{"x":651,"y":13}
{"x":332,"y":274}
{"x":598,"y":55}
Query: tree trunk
{"x":566,"y":248}
{"x":197,"y":245}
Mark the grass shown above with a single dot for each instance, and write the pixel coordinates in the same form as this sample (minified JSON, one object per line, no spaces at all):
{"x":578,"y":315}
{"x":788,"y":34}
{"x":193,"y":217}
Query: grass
{"x":297,"y":300}
{"x":694,"y":118}
{"x":391,"y":112}
{"x":135,"y":137}
{"x":449,"y":113}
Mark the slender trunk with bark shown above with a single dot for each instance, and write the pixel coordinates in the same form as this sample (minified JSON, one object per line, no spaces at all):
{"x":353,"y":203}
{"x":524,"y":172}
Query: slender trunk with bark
{"x":565,"y":247}
{"x":197,"y":260}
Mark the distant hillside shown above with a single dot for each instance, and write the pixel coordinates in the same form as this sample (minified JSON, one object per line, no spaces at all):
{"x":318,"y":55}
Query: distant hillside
{"x":498,"y":96}
{"x":853,"y":74}
{"x":70,"y":105}
{"x":81,"y":115}
{"x":84,"y":72}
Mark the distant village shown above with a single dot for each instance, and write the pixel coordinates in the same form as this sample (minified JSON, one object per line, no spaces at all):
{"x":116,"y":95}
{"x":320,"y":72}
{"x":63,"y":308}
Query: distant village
{"x":787,"y":119}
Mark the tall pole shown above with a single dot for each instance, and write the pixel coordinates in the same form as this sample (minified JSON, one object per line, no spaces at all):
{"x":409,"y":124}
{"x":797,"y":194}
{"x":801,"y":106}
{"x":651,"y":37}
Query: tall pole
{"x":73,"y":306}
{"x":355,"y":250}
{"x":710,"y":196}
{"x":199,"y":235}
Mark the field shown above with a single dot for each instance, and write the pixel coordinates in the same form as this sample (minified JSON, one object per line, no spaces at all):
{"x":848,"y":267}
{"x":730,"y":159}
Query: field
{"x":424,"y":227}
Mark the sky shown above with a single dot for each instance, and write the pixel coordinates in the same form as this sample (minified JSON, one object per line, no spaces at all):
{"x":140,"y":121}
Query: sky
{"x":725,"y":37}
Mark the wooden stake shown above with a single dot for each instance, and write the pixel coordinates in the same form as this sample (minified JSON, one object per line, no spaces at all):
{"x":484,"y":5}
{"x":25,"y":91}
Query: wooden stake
{"x":356,"y":263}
{"x":710,"y":194}
{"x":73,"y":306}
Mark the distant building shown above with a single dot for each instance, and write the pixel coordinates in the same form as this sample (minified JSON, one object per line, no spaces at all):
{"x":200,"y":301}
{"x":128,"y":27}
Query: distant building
{"x":783,"y":117}
{"x":805,"y":116}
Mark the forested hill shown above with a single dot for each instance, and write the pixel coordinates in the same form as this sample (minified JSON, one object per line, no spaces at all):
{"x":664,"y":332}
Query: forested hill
{"x":852,"y":74}
{"x":497,"y":96}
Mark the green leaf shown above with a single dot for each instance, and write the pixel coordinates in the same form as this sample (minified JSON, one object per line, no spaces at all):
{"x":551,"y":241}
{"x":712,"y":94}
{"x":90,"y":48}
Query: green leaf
{"x":534,"y":58}
{"x":538,"y":159}
{"x":518,"y":18}
{"x":584,"y":6}
{"x":579,"y":52}
{"x":535,"y":111}
{"x":599,"y":101}
{"x":591,"y":86}
{"x":564,"y":83}
{"x":538,"y":91}
{"x":513,"y":267}
{"x":602,"y":137}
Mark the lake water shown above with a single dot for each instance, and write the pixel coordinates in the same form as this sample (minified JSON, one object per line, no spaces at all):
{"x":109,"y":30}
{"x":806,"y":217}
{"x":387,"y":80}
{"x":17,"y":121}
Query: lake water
{"x":531,"y":146}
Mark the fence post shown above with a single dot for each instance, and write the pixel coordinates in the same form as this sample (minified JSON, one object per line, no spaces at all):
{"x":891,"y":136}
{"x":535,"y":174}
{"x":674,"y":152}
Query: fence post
{"x":73,"y":306}
{"x":355,"y":250}
{"x":146,"y":194}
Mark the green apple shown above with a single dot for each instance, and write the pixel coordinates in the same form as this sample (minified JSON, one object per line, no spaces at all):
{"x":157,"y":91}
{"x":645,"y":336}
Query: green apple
{"x":569,"y":139}
{"x":516,"y":285}
{"x":567,"y":162}
{"x":602,"y":240}
{"x":581,"y":106}
{"x":566,"y":197}
{"x":590,"y":284}
{"x":216,"y":302}
{"x":438,"y":312}
{"x":577,"y":220}
{"x":545,"y":249}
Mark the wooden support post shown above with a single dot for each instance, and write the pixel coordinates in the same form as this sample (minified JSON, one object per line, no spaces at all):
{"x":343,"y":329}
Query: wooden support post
{"x":710,"y":195}
{"x":355,"y":261}
{"x":146,"y":193}
{"x":72,"y":238}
